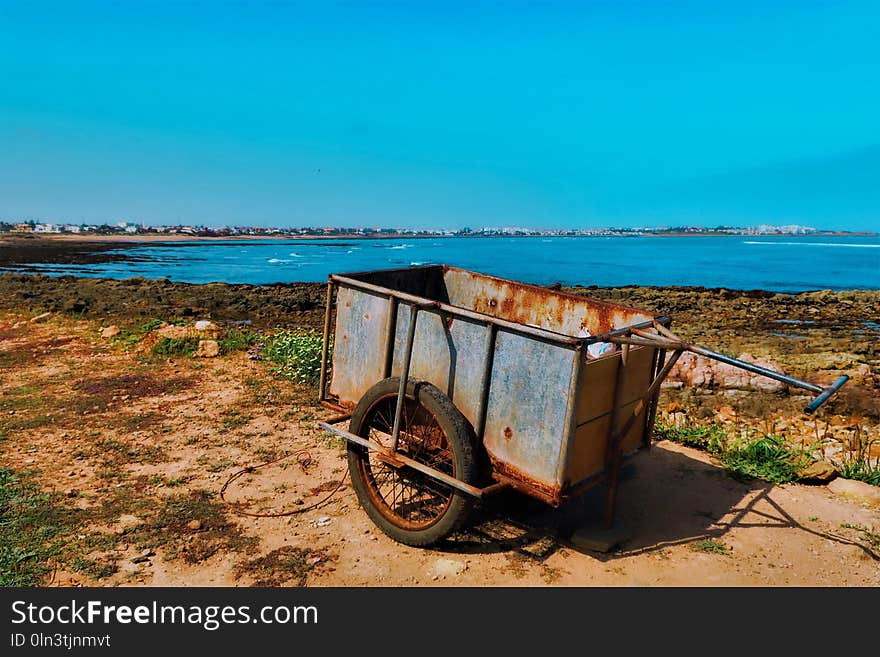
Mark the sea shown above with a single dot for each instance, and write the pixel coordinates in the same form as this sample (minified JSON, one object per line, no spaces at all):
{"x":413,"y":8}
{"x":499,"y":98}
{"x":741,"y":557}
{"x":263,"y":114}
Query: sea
{"x":777,"y":263}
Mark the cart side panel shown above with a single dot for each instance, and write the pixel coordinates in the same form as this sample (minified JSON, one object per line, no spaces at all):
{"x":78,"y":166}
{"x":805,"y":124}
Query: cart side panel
{"x":359,"y":344}
{"x":536,"y":306}
{"x":528,"y":408}
{"x":448,"y":352}
{"x":596,"y":386}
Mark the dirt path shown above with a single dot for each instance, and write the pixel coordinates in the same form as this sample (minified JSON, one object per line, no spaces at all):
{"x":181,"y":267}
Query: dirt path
{"x":138,"y":448}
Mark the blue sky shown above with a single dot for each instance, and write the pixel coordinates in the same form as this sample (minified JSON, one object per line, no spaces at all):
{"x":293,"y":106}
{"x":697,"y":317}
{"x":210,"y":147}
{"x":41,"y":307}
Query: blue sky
{"x":444,"y":114}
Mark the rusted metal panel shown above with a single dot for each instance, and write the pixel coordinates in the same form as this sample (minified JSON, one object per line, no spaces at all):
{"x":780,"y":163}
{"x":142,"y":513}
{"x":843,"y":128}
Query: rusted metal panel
{"x":361,"y":325}
{"x":537,"y":306}
{"x":528,"y":406}
{"x":449,"y":352}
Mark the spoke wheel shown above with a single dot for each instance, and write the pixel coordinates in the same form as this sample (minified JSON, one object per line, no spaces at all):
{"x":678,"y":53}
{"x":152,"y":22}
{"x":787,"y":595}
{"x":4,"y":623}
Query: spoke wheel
{"x":412,"y":507}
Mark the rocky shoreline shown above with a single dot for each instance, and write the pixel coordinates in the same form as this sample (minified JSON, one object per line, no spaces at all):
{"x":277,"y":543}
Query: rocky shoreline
{"x":816,"y":335}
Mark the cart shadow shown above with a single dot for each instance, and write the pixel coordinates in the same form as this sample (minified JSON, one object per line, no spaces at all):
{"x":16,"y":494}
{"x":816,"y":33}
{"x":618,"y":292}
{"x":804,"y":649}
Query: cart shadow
{"x":666,"y":498}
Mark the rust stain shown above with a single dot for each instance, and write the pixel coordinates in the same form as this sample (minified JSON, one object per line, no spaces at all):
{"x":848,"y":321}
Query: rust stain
{"x":524,"y":483}
{"x":508,"y":434}
{"x":366,"y":315}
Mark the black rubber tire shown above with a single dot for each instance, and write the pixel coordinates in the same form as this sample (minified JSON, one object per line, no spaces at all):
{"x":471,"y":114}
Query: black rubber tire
{"x":460,"y":440}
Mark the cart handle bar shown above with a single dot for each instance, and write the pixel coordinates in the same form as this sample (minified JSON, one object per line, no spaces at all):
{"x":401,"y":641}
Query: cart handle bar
{"x":668,"y":340}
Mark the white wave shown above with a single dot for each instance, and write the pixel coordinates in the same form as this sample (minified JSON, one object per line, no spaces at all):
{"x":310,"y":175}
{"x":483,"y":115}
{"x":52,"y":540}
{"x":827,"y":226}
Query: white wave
{"x":276,"y":261}
{"x":295,"y":255}
{"x":401,"y":246}
{"x":416,"y":264}
{"x":852,"y":246}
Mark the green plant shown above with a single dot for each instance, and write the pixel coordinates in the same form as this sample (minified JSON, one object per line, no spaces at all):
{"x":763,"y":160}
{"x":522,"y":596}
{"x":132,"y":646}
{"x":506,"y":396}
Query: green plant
{"x":176,"y":347}
{"x":297,"y":354}
{"x":711,"y":438}
{"x":859,"y":465}
{"x":236,"y":340}
{"x":710,"y":546}
{"x":767,"y":458}
{"x":33,"y":530}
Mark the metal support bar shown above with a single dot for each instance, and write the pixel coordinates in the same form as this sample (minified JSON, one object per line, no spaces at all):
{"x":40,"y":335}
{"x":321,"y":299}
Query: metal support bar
{"x":325,"y":348}
{"x":404,"y":374}
{"x":415,"y":465}
{"x":763,"y":371}
{"x":390,"y":332}
{"x":652,"y":409}
{"x":486,"y":381}
{"x":666,"y":339}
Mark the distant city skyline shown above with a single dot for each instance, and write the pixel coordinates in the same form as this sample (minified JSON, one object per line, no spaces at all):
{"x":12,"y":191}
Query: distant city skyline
{"x":441,"y":115}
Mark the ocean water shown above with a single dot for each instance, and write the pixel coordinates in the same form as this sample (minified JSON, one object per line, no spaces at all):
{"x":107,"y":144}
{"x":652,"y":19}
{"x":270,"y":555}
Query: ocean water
{"x":781,"y":264}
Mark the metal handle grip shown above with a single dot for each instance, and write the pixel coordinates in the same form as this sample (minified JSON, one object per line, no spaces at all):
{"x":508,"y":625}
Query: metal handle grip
{"x":826,"y":394}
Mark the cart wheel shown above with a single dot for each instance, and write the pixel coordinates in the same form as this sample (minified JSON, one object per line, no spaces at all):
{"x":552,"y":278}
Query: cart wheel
{"x":409,"y":506}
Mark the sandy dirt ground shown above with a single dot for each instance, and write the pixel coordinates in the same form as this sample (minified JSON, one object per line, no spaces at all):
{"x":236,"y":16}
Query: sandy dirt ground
{"x":139,"y":447}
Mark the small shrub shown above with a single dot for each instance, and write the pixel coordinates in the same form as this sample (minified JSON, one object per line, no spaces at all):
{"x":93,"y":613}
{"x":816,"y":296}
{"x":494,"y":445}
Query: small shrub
{"x":297,"y":354}
{"x":767,"y":458}
{"x":176,"y":347}
{"x":859,"y":464}
{"x":236,"y":340}
{"x":711,"y":438}
{"x":711,"y":547}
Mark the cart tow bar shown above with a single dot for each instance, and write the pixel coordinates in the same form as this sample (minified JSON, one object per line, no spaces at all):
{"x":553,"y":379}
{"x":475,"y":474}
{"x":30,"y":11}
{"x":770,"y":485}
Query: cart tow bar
{"x":666,"y":339}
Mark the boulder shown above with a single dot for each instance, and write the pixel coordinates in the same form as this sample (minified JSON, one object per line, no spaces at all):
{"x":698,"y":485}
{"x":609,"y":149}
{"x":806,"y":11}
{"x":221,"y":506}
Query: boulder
{"x":855,"y":489}
{"x":695,"y":370}
{"x":820,"y":472}
{"x":207,"y":349}
{"x":110,"y":331}
{"x":205,"y":325}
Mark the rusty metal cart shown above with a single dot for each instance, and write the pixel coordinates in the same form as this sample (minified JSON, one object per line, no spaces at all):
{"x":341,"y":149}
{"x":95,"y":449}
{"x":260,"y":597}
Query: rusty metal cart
{"x":457,"y":384}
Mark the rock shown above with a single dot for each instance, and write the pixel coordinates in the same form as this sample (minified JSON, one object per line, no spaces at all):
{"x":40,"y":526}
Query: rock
{"x":820,"y":472}
{"x":448,"y":568}
{"x":143,"y":556}
{"x":856,"y":489}
{"x":675,"y":407}
{"x":126,"y":522}
{"x":40,"y":318}
{"x":323,"y":521}
{"x":194,"y":525}
{"x":205,"y":325}
{"x":110,"y":331}
{"x":207,"y":349}
{"x":703,"y":372}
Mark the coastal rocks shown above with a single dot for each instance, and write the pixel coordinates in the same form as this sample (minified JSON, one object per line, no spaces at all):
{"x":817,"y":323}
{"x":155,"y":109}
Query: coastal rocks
{"x":696,"y":370}
{"x":205,"y":325}
{"x":110,"y":331}
{"x":207,"y":349}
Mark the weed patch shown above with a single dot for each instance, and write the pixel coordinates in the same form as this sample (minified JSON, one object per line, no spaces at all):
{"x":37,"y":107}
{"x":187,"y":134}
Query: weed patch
{"x":175,"y":347}
{"x":296,"y":354}
{"x":173,"y":528}
{"x":286,"y":564}
{"x":710,"y":546}
{"x":236,"y":340}
{"x":767,"y":458}
{"x":34,"y":529}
